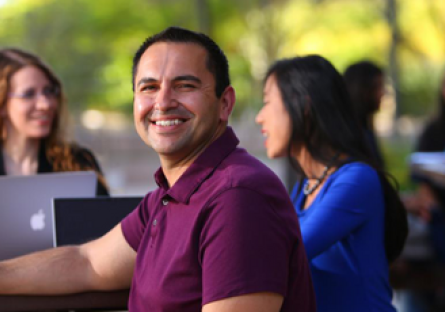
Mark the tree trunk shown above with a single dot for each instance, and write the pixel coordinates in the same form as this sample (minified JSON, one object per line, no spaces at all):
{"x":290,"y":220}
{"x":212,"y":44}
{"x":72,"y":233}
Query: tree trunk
{"x":393,"y":67}
{"x":203,"y":14}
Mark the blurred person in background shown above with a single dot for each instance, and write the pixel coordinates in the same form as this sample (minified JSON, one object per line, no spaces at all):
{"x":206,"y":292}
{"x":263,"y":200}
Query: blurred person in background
{"x":432,"y":139}
{"x":352,"y":221}
{"x":365,"y":84}
{"x":427,"y":208}
{"x":32,"y":107}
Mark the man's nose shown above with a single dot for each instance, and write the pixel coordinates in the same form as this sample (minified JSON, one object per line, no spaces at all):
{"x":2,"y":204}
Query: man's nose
{"x":165,"y":99}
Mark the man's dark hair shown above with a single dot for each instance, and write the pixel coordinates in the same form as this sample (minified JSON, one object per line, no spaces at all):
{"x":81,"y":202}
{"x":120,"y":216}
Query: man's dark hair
{"x":217,"y":62}
{"x":324,"y":121}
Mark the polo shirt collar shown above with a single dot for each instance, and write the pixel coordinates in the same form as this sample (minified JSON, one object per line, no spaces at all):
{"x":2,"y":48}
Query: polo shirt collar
{"x":200,"y":169}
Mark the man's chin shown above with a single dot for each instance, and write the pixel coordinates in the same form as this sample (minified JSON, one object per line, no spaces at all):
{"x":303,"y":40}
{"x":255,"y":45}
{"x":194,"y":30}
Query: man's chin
{"x":167,"y":150}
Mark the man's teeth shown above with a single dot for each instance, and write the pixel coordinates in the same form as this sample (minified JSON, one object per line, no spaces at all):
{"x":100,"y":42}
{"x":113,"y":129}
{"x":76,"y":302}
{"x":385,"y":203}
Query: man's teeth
{"x":42,"y":118}
{"x":166,"y":123}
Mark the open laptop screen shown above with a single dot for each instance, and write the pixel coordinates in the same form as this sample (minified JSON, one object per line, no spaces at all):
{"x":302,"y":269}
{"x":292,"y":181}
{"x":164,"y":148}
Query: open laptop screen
{"x":26,"y":208}
{"x":79,"y":220}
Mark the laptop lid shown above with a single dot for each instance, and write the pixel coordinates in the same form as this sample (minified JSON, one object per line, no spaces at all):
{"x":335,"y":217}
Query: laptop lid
{"x":79,"y":220}
{"x":26,"y":208}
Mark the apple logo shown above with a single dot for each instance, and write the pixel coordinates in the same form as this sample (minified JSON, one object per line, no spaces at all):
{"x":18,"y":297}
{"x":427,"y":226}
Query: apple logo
{"x":38,"y":221}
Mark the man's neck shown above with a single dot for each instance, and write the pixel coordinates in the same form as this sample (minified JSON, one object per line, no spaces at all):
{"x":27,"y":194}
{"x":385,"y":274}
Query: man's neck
{"x":174,"y":167}
{"x":172,"y":174}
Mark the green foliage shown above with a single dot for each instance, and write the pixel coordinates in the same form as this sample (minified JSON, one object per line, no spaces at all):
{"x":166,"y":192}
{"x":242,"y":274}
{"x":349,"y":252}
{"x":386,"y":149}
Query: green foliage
{"x":396,"y":152}
{"x":420,"y":91}
{"x":90,"y":44}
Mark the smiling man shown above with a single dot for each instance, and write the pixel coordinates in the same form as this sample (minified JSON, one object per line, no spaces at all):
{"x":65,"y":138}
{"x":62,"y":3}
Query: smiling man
{"x":218,"y":234}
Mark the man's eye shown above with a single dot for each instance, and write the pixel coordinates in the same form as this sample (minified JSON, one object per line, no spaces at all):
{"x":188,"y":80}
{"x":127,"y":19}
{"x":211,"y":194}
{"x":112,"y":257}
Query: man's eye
{"x":148,"y":88}
{"x":186,"y":86}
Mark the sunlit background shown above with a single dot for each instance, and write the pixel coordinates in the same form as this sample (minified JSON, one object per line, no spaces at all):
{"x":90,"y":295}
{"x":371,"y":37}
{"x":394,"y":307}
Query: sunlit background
{"x":90,"y":44}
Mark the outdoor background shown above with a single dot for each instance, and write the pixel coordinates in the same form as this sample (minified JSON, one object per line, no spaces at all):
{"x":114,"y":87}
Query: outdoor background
{"x":90,"y":44}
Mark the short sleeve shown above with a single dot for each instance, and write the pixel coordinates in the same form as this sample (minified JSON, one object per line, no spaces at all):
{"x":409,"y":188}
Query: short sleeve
{"x":244,"y":247}
{"x":133,"y":225}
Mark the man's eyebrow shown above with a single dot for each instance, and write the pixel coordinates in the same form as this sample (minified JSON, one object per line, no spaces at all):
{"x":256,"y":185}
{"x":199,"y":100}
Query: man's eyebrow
{"x":187,"y":77}
{"x":177,"y":78}
{"x":146,"y":80}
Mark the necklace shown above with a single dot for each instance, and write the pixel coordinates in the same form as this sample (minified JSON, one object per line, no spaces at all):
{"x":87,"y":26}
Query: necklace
{"x":309,"y":190}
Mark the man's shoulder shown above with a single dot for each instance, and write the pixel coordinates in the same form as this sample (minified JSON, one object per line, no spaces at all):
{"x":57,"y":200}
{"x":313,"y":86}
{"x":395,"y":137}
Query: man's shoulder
{"x":243,"y":165}
{"x":242,"y":170}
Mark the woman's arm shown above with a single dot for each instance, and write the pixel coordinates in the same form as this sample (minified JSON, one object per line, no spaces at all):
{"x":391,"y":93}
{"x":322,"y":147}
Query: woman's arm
{"x":346,"y":205}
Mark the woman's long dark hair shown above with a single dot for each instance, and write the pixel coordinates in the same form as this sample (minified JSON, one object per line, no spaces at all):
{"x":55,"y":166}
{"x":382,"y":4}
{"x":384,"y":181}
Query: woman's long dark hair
{"x":325,"y":123}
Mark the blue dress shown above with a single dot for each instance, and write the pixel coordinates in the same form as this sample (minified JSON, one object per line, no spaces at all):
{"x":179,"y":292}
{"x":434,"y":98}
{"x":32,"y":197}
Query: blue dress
{"x":343,"y":233}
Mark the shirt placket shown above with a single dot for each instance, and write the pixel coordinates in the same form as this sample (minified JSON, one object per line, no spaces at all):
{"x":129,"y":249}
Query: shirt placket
{"x":155,"y":224}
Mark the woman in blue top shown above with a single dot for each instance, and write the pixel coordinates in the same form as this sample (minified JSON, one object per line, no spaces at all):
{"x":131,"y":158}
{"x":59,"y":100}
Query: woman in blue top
{"x":352,"y":220}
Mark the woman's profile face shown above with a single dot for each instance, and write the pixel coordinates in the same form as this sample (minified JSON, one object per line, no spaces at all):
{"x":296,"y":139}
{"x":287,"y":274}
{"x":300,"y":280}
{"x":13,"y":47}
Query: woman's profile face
{"x":31,"y":105}
{"x":275,"y":121}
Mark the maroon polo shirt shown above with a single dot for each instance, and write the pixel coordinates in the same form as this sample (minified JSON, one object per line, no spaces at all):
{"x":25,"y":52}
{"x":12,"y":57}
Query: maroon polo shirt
{"x":226,"y":228}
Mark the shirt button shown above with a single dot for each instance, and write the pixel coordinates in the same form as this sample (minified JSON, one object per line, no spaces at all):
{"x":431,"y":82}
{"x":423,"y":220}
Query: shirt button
{"x":165,"y":202}
{"x":155,"y":222}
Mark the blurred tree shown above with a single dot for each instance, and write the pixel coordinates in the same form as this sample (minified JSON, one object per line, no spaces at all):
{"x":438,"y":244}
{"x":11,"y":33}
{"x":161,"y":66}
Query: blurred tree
{"x":393,"y":61}
{"x":90,"y":43}
{"x":422,"y":55}
{"x":203,"y":14}
{"x":79,"y":39}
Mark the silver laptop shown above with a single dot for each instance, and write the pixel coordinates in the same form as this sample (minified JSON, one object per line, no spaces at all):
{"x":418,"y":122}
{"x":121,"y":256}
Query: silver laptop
{"x":26,"y":208}
{"x":80,"y":220}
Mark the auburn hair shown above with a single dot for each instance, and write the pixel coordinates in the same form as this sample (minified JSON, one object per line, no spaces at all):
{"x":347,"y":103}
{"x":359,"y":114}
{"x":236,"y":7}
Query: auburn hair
{"x":59,"y":153}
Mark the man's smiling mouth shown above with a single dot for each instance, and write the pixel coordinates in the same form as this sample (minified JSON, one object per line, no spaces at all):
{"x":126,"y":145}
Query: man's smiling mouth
{"x":170,"y":122}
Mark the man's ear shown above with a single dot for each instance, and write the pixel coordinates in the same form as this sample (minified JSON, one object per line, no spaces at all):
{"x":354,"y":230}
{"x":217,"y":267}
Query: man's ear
{"x":227,"y":100}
